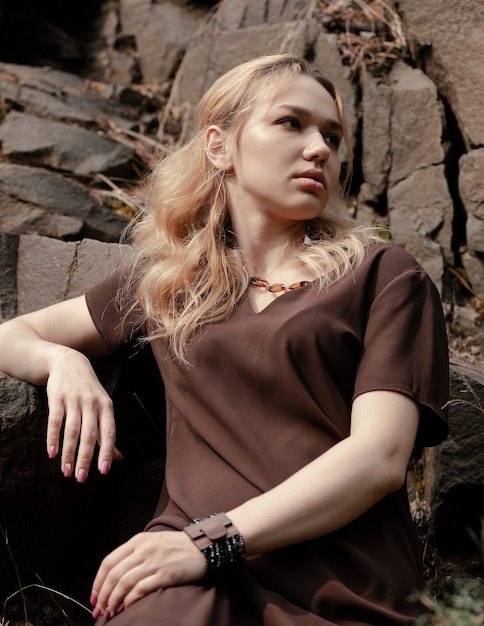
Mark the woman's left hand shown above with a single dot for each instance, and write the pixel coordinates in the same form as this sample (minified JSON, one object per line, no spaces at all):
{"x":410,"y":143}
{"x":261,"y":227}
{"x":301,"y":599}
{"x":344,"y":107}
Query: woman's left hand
{"x":148,"y":561}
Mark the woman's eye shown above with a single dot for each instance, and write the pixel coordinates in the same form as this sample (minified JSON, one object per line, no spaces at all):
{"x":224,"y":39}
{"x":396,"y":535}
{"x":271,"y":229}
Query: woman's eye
{"x":332,"y":140}
{"x":290,"y":122}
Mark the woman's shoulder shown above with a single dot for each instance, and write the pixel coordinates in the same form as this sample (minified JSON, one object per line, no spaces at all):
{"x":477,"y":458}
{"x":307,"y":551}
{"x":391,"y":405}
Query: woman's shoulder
{"x":390,"y":253}
{"x":389,"y":266}
{"x":390,"y":261}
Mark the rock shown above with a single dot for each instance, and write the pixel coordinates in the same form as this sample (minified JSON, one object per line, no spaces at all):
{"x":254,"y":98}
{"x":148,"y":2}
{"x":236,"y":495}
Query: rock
{"x":429,"y":254}
{"x":22,"y":418}
{"x":35,"y":200}
{"x":162,"y":31}
{"x":447,"y":44}
{"x":43,"y":143}
{"x":61,"y":96}
{"x":421,"y":204}
{"x":416,"y":137}
{"x":43,"y":271}
{"x":474,"y":266}
{"x":475,"y":233}
{"x":397,"y":138}
{"x":50,"y":520}
{"x":327,"y":58}
{"x":8,"y":282}
{"x":73,"y":268}
{"x":111,"y":53}
{"x":454,"y":471}
{"x":111,"y":256}
{"x":237,"y":14}
{"x":212,"y":53}
{"x":17,"y":217}
{"x":471,"y":167}
{"x":32,"y":487}
{"x":376,"y":137}
{"x":237,"y":31}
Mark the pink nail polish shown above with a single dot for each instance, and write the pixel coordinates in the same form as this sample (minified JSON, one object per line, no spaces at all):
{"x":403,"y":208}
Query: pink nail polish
{"x":104,"y":467}
{"x":93,"y":598}
{"x":107,"y":614}
{"x":120,"y":609}
{"x":81,"y":477}
{"x":96,"y":613}
{"x":52,"y":452}
{"x":67,"y":470}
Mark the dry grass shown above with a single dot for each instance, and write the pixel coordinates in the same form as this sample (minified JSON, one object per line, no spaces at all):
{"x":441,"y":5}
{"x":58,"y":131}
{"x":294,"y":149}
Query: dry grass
{"x":370,"y":33}
{"x":39,"y":605}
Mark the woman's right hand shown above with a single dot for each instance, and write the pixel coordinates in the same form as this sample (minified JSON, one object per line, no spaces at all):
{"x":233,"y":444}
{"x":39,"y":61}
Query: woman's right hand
{"x":80,"y":413}
{"x":52,"y":346}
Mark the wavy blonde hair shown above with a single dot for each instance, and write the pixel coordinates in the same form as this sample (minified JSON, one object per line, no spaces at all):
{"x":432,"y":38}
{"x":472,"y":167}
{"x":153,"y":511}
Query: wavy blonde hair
{"x":188,"y":269}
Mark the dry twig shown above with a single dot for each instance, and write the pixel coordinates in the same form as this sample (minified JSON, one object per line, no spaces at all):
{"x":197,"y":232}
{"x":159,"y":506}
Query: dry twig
{"x":371,"y":35}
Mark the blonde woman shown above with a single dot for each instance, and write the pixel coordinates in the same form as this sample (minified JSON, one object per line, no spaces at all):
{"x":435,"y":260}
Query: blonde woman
{"x":301,"y":356}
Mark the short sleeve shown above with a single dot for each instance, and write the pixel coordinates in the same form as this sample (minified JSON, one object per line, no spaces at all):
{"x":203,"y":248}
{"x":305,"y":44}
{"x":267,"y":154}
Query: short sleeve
{"x":115,"y":311}
{"x":405,"y":342}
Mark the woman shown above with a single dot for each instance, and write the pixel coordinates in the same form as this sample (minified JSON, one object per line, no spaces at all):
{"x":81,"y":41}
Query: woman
{"x":301,"y":356}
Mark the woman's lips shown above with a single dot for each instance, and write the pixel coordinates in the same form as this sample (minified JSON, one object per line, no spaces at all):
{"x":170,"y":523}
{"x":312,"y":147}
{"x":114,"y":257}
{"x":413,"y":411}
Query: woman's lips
{"x":312,"y":179}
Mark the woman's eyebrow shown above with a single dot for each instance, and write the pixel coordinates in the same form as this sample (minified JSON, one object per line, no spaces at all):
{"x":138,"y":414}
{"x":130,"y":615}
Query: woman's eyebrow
{"x":299,"y":110}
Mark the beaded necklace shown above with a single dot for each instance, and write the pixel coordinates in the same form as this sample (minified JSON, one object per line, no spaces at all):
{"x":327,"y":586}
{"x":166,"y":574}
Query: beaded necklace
{"x":256,"y":281}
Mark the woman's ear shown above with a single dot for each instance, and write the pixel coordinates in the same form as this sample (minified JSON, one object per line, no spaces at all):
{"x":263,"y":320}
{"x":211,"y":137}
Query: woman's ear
{"x":217,"y":149}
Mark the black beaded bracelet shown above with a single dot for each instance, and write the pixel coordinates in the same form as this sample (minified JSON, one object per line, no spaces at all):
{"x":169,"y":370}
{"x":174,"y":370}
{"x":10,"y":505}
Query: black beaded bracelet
{"x":220,"y":543}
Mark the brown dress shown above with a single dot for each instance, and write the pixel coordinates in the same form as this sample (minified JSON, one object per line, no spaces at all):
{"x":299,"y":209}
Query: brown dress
{"x":267,"y":393}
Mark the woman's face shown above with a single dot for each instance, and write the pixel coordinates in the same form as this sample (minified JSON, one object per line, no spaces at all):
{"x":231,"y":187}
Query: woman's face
{"x":287,"y":163}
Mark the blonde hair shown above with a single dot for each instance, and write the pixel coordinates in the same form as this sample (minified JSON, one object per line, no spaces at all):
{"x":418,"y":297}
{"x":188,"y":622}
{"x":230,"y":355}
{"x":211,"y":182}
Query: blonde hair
{"x":188,"y":269}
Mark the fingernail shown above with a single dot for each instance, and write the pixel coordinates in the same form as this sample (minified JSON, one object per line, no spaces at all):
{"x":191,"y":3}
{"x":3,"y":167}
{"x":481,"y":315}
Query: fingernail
{"x":107,"y":614}
{"x":104,"y":467}
{"x":93,"y":598}
{"x":82,"y":475}
{"x":52,"y":452}
{"x":96,"y":613}
{"x":67,"y":470}
{"x":120,"y":609}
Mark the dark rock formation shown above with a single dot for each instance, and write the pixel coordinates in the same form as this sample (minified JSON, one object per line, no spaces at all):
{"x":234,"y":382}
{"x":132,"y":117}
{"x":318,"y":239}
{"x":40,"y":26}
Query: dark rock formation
{"x":58,"y":529}
{"x":92,"y":92}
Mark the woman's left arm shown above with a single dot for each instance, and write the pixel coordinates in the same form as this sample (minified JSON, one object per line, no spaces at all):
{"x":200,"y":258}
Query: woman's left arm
{"x":323,"y":496}
{"x":342,"y":483}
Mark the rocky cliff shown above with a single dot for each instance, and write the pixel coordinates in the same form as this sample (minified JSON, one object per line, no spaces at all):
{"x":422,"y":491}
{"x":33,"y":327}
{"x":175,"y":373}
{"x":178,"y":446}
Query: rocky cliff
{"x":91,"y":94}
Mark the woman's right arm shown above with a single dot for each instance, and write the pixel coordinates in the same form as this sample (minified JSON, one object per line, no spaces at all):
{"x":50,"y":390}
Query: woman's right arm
{"x":52,"y":347}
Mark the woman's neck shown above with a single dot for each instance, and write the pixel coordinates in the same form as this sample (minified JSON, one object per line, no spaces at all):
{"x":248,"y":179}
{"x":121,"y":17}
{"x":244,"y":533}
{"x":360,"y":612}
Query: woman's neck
{"x":268,"y":252}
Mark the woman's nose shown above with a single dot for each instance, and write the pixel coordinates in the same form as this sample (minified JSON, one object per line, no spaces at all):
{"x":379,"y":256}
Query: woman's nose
{"x":316,"y":148}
